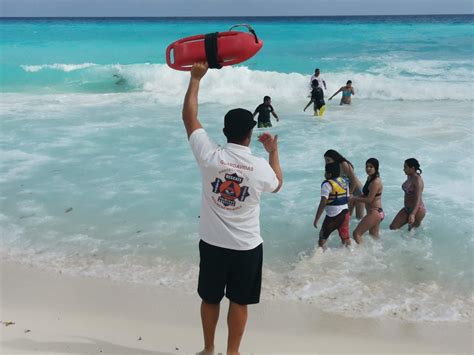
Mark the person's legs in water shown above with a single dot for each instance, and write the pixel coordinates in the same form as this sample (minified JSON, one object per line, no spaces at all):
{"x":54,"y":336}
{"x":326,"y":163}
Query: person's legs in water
{"x":343,"y":230}
{"x":374,"y":231}
{"x":368,"y":222}
{"x":322,"y":109}
{"x":400,"y":219}
{"x":330,"y":224}
{"x":264,"y":124}
{"x":420,"y":214}
{"x":322,"y":238}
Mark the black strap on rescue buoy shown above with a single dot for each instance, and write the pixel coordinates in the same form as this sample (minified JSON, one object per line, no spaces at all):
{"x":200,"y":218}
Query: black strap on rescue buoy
{"x":210,"y":44}
{"x":251,"y":30}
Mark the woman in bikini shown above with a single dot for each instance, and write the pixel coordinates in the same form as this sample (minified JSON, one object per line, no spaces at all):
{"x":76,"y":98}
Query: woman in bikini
{"x":347,"y":92}
{"x":414,"y":210}
{"x":372,"y":197}
{"x":347,"y":170}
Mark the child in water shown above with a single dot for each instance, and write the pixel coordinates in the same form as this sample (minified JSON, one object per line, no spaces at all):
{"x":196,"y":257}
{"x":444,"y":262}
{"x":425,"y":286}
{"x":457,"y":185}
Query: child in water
{"x":317,"y":97}
{"x":334,"y":199}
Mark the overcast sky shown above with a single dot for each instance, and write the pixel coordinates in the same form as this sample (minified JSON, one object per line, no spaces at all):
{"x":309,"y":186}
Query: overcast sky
{"x":157,"y":8}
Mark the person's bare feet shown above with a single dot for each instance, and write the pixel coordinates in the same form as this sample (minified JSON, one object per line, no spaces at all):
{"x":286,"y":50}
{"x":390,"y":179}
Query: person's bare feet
{"x":206,"y":352}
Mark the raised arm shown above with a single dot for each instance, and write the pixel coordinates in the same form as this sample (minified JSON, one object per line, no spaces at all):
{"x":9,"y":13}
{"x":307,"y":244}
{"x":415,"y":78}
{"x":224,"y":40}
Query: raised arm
{"x":270,"y":144}
{"x":190,"y":105}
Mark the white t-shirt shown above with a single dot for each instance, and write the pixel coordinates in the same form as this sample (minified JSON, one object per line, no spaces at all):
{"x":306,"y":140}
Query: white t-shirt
{"x":232,"y":181}
{"x":319,"y":79}
{"x":331,"y":211}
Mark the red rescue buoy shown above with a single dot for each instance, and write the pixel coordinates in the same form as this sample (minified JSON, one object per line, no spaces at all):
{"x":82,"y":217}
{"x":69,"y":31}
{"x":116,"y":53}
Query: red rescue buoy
{"x":218,"y":49}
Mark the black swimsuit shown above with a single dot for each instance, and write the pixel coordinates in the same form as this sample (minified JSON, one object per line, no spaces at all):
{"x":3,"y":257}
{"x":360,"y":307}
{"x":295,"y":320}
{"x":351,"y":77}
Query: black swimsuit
{"x":365,"y":189}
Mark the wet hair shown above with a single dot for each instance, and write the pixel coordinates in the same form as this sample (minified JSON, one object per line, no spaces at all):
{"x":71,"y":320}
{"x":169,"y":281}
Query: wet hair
{"x":338,"y":158}
{"x":333,"y":169}
{"x":413,"y":163}
{"x":315,"y":70}
{"x":375,"y":163}
{"x":266,"y":98}
{"x":349,"y":82}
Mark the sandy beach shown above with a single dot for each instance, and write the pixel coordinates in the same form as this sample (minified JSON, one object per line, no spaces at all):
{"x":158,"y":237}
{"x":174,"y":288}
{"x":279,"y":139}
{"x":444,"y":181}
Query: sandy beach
{"x":56,"y":313}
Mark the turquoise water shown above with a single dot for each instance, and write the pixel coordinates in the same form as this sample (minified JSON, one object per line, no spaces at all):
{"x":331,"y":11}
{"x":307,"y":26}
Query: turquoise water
{"x":90,"y":120}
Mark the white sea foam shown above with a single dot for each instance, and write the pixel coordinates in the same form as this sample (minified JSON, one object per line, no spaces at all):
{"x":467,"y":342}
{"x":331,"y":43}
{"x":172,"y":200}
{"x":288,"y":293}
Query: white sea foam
{"x":392,"y":80}
{"x":57,"y":66}
{"x":122,"y":162}
{"x":16,"y":164}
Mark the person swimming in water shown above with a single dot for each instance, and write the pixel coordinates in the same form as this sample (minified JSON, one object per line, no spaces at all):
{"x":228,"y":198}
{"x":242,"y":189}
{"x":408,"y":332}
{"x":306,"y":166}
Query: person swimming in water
{"x":372,"y":197}
{"x":317,"y":97}
{"x":347,"y":170}
{"x":347,"y":92}
{"x":414,"y":209}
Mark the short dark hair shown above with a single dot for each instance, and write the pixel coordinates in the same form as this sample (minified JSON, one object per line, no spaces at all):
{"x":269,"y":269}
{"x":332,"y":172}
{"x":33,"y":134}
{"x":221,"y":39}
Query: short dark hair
{"x":317,"y":69}
{"x":237,"y":124}
{"x":266,"y":98}
{"x":333,"y":169}
{"x":349,"y":82}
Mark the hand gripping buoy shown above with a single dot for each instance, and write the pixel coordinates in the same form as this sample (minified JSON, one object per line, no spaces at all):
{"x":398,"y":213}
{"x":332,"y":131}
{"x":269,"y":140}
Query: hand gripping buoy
{"x":217,"y":49}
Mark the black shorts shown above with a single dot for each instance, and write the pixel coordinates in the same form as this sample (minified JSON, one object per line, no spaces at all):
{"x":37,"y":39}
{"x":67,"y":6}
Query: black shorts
{"x":339,"y":222}
{"x":238,"y":272}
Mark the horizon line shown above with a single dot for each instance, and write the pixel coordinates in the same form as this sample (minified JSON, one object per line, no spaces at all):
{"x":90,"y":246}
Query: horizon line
{"x":240,"y":16}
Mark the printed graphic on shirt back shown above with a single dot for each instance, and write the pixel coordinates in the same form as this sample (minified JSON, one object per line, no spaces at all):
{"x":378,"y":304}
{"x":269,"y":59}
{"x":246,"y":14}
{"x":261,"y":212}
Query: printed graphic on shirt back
{"x":230,"y":190}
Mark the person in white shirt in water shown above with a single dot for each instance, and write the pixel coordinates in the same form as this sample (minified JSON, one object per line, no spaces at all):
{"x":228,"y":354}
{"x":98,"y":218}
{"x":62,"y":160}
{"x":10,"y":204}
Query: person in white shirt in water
{"x":319,"y":78}
{"x":230,"y":245}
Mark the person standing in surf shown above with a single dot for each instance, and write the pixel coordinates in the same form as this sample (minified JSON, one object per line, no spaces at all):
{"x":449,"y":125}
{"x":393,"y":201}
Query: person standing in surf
{"x":317,"y":76}
{"x":230,"y":246}
{"x":263,"y":110}
{"x":414,"y":210}
{"x":372,"y":197}
{"x":347,"y":92}
{"x":317,"y":97}
{"x":347,"y":170}
{"x":334,"y":199}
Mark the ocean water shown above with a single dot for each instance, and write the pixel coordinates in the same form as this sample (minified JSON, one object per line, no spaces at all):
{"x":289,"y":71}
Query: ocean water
{"x":97,"y":178}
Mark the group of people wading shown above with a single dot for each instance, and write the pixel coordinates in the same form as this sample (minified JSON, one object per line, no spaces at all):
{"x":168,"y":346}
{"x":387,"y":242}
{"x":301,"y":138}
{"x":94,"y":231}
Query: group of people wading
{"x":342,"y":192}
{"x":233,"y":179}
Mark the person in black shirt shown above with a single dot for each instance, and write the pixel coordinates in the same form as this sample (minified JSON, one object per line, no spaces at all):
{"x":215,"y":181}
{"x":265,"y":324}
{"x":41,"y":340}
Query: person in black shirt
{"x":264,"y":111}
{"x":317,"y":96}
